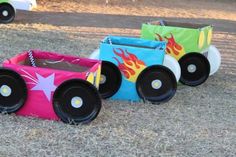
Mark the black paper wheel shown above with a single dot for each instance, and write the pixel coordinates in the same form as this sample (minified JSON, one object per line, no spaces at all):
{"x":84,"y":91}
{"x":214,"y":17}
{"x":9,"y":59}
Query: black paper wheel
{"x":195,"y":69}
{"x":110,"y":80}
{"x":76,"y":101}
{"x":156,"y":84}
{"x":13,"y":91}
{"x":7,"y":13}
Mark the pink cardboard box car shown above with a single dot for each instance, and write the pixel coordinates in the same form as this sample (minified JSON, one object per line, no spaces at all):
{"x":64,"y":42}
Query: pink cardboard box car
{"x":51,"y":86}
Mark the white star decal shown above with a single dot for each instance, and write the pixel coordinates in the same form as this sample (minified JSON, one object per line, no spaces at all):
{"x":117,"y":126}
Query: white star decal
{"x":45,"y":84}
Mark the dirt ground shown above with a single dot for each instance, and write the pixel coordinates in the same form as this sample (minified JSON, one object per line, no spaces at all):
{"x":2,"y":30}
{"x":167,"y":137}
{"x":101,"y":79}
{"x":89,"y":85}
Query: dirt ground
{"x":198,"y":121}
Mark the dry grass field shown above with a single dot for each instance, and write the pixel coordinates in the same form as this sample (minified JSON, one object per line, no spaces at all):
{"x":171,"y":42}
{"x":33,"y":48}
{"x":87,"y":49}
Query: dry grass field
{"x":198,"y":121}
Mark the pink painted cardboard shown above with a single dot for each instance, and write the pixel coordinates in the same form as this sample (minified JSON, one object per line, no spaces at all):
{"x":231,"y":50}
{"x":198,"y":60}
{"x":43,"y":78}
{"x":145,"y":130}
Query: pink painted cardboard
{"x":42,"y":82}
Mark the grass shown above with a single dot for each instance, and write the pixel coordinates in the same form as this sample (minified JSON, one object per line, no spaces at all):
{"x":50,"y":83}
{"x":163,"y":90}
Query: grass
{"x":198,"y":121}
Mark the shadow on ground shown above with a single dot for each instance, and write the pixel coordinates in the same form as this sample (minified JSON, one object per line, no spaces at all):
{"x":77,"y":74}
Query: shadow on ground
{"x":109,"y":20}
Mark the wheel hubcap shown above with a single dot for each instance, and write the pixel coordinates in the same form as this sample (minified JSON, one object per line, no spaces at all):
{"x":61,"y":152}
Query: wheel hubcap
{"x":191,"y":68}
{"x":5,"y":90}
{"x":156,"y":84}
{"x":5,"y":13}
{"x":102,"y":79}
{"x":76,"y":102}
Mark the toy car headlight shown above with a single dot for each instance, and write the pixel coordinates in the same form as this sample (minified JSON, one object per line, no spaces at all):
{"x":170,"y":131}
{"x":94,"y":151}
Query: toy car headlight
{"x":201,"y":39}
{"x":209,"y":37}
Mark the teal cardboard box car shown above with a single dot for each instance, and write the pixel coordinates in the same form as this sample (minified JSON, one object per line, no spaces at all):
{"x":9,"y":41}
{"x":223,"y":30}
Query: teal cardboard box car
{"x":132,"y":69}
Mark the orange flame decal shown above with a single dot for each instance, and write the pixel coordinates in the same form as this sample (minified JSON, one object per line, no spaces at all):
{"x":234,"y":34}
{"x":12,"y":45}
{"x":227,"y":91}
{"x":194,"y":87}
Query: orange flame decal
{"x":131,"y":66}
{"x":173,"y":48}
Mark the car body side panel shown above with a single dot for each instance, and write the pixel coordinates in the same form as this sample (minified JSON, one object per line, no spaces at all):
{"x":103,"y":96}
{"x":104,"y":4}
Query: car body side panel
{"x":180,"y":40}
{"x":4,"y":1}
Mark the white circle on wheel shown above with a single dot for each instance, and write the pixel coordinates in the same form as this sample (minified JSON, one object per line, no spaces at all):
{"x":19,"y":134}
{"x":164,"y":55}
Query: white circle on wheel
{"x":76,"y":102}
{"x":95,"y":54}
{"x":171,"y":63}
{"x":191,"y":68}
{"x":214,"y":59}
{"x":5,"y":13}
{"x":156,"y":84}
{"x":5,"y":90}
{"x":103,"y":79}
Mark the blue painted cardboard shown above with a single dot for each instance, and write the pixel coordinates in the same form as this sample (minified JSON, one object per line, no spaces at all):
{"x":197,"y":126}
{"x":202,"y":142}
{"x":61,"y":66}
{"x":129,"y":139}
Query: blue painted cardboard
{"x":131,"y":56}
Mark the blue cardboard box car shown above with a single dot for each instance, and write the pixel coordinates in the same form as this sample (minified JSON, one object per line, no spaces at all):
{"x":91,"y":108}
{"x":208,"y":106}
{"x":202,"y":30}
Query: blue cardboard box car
{"x":132,"y":69}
